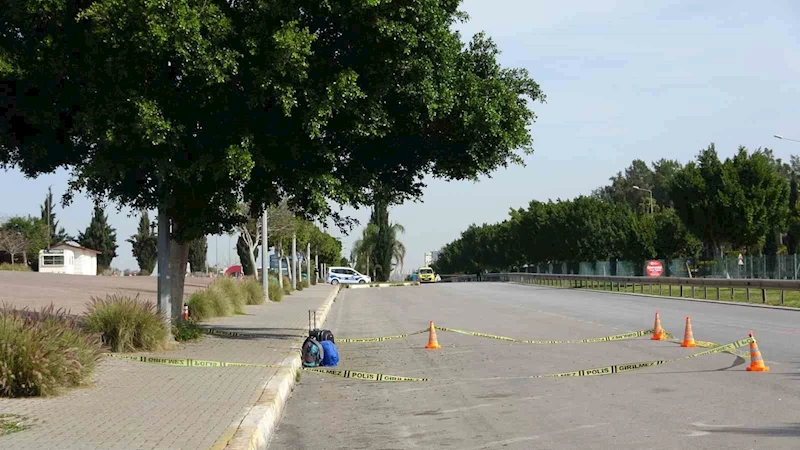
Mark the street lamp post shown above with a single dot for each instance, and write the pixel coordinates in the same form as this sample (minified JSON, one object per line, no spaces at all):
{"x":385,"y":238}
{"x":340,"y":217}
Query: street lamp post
{"x":778,"y":136}
{"x":651,"y":196}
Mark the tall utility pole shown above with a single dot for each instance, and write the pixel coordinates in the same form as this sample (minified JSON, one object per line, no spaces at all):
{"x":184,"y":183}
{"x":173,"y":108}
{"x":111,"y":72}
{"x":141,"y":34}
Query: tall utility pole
{"x":295,"y":266}
{"x":308,"y":262}
{"x":49,"y":208}
{"x":164,"y":304}
{"x":264,"y":256}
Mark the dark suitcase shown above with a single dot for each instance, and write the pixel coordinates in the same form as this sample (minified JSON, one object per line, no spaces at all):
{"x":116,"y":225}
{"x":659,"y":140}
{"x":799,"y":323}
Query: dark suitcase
{"x":316,"y":333}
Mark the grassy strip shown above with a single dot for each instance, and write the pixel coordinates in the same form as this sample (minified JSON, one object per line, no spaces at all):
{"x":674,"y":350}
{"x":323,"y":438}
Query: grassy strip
{"x":11,"y":423}
{"x":15,"y":267}
{"x":773,"y":296}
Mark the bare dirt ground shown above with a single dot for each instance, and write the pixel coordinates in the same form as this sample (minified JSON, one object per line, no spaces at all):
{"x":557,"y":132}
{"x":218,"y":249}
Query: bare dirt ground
{"x":72,"y":292}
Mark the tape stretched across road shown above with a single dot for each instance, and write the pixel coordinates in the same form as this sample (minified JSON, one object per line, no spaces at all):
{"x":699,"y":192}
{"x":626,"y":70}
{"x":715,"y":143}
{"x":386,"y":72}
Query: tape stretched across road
{"x":381,"y":377}
{"x":378,"y":339}
{"x":618,"y":368}
{"x":183,"y":362}
{"x":616,"y":337}
{"x":367,"y":376}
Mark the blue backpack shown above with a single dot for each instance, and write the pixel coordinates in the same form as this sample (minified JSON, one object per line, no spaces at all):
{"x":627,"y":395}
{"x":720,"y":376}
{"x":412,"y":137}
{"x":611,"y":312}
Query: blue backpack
{"x":330,"y":353}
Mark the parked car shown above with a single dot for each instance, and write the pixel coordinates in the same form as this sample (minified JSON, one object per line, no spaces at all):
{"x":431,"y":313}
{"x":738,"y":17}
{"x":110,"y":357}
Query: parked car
{"x":346,"y":275}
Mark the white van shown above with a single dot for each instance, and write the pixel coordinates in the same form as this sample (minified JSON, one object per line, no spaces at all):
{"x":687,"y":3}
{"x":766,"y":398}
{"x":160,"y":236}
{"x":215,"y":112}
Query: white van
{"x":346,"y":275}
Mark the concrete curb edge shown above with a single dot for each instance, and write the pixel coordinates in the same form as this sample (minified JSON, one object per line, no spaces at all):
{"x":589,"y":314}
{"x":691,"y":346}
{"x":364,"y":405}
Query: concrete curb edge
{"x":381,"y":285}
{"x":255,"y":430}
{"x":701,"y":300}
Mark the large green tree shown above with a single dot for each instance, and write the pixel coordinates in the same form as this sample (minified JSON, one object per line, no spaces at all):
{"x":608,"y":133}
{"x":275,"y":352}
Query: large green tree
{"x":199,"y":106}
{"x":731,"y":204}
{"x":144,"y":244}
{"x":24,"y":236}
{"x":100,"y":236}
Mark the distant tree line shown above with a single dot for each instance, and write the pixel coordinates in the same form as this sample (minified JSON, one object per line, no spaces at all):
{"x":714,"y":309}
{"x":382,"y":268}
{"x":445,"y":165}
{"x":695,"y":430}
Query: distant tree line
{"x":705,"y":209}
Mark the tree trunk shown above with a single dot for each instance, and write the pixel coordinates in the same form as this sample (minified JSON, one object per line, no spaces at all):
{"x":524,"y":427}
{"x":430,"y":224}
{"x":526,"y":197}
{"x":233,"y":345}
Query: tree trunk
{"x":25,"y":258}
{"x":289,"y":271}
{"x":280,"y":264}
{"x":12,"y":258}
{"x":178,"y":257}
{"x":294,"y":261}
{"x":253,"y":262}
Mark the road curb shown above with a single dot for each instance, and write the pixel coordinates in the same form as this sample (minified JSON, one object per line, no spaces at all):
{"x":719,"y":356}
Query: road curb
{"x":255,"y":430}
{"x":700,"y":300}
{"x":381,"y":285}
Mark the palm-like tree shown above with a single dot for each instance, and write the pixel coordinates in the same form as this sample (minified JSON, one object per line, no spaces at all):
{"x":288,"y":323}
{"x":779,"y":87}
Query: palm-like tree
{"x":398,"y":249}
{"x":363,"y":253}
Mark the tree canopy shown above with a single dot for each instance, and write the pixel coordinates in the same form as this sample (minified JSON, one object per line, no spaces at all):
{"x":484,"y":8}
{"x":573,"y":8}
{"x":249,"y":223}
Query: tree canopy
{"x":201,"y":105}
{"x":706,"y":206}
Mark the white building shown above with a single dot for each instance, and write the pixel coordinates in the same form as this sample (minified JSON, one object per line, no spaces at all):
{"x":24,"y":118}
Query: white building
{"x":69,"y":258}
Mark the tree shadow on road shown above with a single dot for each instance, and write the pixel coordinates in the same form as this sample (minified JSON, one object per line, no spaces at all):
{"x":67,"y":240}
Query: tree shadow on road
{"x":239,"y":333}
{"x":786,"y":430}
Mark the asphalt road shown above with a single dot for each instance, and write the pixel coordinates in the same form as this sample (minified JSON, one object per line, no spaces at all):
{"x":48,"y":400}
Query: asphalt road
{"x":480,"y":397}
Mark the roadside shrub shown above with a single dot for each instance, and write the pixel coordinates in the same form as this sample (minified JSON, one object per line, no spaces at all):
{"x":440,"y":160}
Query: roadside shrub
{"x":287,"y":285}
{"x":300,"y":285}
{"x":126,"y":324}
{"x":202,"y":305}
{"x":15,"y":267}
{"x":221,"y":305}
{"x":275,"y":291}
{"x":187,"y":330}
{"x":232,"y":292}
{"x":41,"y":352}
{"x":306,"y":284}
{"x":253,"y":292}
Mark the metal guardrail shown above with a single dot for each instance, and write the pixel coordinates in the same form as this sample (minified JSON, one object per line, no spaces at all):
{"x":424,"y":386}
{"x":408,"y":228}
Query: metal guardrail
{"x":615,"y":283}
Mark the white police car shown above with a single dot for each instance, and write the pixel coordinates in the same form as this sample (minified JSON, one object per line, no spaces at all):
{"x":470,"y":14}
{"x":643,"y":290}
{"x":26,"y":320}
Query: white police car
{"x":346,"y":275}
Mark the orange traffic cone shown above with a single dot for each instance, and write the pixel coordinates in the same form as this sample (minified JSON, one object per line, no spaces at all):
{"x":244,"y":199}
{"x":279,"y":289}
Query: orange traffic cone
{"x":658,"y":332}
{"x":756,"y":361}
{"x":433,"y":342}
{"x":688,"y":336}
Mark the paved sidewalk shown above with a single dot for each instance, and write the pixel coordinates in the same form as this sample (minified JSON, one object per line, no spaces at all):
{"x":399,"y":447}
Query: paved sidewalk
{"x":137,"y":405}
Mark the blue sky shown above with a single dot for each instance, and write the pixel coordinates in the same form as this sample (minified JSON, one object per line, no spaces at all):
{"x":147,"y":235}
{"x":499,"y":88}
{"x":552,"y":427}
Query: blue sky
{"x":624,"y":80}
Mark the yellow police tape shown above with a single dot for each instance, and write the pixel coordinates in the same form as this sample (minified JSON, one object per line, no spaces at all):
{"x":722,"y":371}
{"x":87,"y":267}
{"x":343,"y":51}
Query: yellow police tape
{"x":616,"y":337}
{"x":380,"y":377}
{"x":378,"y":339}
{"x":183,"y":362}
{"x":620,"y":368}
{"x":367,"y":376}
{"x":338,"y":340}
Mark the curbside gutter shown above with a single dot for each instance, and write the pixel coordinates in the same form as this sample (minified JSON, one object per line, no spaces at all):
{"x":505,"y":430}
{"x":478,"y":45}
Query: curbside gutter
{"x":381,"y":285}
{"x":255,"y":430}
